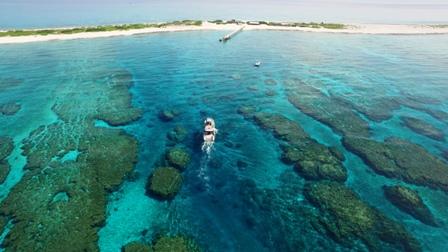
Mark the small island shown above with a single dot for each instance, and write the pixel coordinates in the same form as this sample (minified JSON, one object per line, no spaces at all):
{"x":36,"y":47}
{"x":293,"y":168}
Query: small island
{"x":84,"y":32}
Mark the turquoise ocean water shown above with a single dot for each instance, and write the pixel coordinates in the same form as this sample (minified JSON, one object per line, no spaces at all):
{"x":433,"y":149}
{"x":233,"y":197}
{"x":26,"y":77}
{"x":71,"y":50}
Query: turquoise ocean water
{"x":193,"y":73}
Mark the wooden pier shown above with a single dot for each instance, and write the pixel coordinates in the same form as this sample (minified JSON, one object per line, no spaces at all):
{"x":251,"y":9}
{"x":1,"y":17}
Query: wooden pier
{"x":230,"y":35}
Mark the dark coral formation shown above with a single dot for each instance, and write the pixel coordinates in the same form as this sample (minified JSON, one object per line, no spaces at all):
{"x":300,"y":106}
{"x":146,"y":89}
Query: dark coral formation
{"x":6,"y":147}
{"x":423,"y":128}
{"x":167,"y":115}
{"x":270,"y":93}
{"x":409,"y":201}
{"x":347,"y":219}
{"x":9,"y":83}
{"x":176,"y":243}
{"x":421,"y":104}
{"x":326,"y":109}
{"x":398,"y":158}
{"x":80,"y":187}
{"x":270,"y":82}
{"x":164,"y":183}
{"x":312,"y":159}
{"x":445,"y":154}
{"x":178,"y":157}
{"x":375,"y":108}
{"x":136,"y":247}
{"x":10,"y":108}
{"x":294,"y":222}
{"x":177,"y":135}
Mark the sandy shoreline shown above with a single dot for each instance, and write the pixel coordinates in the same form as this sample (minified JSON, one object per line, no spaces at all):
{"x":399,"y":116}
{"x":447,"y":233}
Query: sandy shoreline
{"x":351,"y":29}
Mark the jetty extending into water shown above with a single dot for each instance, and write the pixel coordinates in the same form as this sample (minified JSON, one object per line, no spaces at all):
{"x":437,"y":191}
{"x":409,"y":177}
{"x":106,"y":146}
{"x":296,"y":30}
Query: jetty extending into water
{"x":232,"y":34}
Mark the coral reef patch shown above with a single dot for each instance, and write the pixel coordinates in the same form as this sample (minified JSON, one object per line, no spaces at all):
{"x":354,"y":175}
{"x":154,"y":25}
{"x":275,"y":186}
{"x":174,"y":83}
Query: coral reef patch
{"x":164,"y":183}
{"x":9,"y":83}
{"x":312,"y":160}
{"x":136,"y":247}
{"x":106,"y":155}
{"x":178,"y":157}
{"x":375,"y":108}
{"x":423,"y":128}
{"x":10,"y":108}
{"x":409,"y":201}
{"x":347,"y":219}
{"x":167,"y":115}
{"x":294,"y":222}
{"x":326,"y":109}
{"x":176,"y":243}
{"x":421,"y":104}
{"x":177,"y":135}
{"x":398,"y":158}
{"x":270,"y":82}
{"x":6,"y":147}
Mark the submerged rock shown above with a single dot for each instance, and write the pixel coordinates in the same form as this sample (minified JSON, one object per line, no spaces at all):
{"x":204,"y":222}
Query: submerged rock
{"x":178,"y":157}
{"x":10,"y":108}
{"x":326,"y":109}
{"x":164,"y":183}
{"x":6,"y":147}
{"x":167,"y":115}
{"x":9,"y":83}
{"x":398,"y":158}
{"x":270,"y":93}
{"x":423,"y":128}
{"x":247,"y":111}
{"x":270,"y":82}
{"x":136,"y":246}
{"x":408,"y":200}
{"x":347,"y":219}
{"x":175,"y":244}
{"x":177,"y":135}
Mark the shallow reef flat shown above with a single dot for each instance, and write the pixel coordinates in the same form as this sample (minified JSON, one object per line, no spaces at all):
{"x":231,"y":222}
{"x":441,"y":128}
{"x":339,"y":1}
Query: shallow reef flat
{"x":313,"y":102}
{"x":293,"y":227}
{"x":10,"y":108}
{"x":423,"y":103}
{"x":9,"y":83}
{"x":311,"y":159}
{"x":423,"y":128}
{"x":409,"y":201}
{"x":6,"y":147}
{"x":401,"y":159}
{"x":375,"y":108}
{"x":59,"y":204}
{"x":347,"y":219}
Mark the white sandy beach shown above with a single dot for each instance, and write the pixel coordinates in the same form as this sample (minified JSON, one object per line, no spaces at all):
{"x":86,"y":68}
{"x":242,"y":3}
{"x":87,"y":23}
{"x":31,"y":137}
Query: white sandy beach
{"x":391,"y":29}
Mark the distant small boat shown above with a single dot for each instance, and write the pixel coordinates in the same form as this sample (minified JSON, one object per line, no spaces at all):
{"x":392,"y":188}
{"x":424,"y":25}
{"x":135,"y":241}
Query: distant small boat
{"x":257,"y":64}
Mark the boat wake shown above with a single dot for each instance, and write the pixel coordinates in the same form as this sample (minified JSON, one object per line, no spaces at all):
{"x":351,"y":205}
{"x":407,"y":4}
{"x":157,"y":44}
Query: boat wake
{"x":203,"y":169}
{"x":207,"y":147}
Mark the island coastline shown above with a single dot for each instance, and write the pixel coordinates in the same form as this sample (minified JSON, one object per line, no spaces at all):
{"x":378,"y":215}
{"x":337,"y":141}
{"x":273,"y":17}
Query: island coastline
{"x":178,"y":26}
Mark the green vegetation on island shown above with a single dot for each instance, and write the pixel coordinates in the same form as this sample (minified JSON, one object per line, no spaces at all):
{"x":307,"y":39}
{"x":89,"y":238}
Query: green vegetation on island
{"x":283,"y":24}
{"x":102,"y":28}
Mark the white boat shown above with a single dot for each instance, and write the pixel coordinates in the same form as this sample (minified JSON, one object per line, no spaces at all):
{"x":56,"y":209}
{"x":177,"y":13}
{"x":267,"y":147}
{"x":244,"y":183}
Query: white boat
{"x":209,"y":134}
{"x":257,"y":64}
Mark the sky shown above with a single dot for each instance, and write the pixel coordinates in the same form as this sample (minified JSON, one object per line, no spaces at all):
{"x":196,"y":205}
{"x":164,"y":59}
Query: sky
{"x":56,"y":13}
